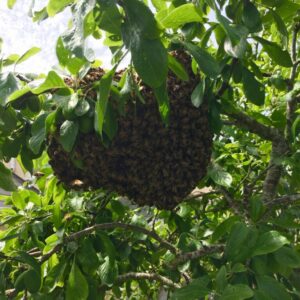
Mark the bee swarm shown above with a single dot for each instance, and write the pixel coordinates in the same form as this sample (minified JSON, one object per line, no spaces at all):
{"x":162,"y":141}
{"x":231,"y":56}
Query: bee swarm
{"x":150,"y":163}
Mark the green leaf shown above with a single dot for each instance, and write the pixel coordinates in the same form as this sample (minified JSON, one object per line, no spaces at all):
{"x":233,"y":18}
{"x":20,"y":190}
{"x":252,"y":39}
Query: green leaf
{"x":254,"y":90}
{"x":182,"y":14}
{"x":52,"y":81}
{"x":70,"y":105}
{"x":220,"y":176}
{"x":141,"y":20}
{"x":221,"y":279}
{"x":56,"y":6}
{"x":11,"y":3}
{"x":68,"y":134}
{"x":236,"y":50}
{"x":110,"y":125}
{"x":269,"y":242}
{"x":224,"y":227}
{"x":251,"y":17}
{"x":87,"y":257}
{"x":278,"y":55}
{"x":288,"y":257}
{"x":38,"y":133}
{"x":193,"y":291}
{"x":237,"y":292}
{"x":110,"y":19}
{"x":150,"y":61}
{"x":177,"y":68}
{"x":281,"y":27}
{"x":82,"y":107}
{"x":162,"y":99}
{"x":66,"y":59}
{"x":295,"y":127}
{"x":207,"y":63}
{"x":241,"y":242}
{"x":8,"y":84}
{"x":6,"y":181}
{"x":198,"y":94}
{"x":102,"y":100}
{"x":272,"y":288}
{"x":108,"y":271}
{"x":77,"y":286}
{"x":28,"y":54}
{"x":29,"y":280}
{"x":74,"y":39}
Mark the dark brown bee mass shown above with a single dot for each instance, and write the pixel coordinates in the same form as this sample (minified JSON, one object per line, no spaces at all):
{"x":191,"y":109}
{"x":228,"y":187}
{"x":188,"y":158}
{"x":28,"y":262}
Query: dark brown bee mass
{"x":150,"y":163}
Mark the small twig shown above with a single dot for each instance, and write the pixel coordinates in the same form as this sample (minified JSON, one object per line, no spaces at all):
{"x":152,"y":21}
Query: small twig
{"x":23,"y":78}
{"x":147,"y":276}
{"x":184,"y":257}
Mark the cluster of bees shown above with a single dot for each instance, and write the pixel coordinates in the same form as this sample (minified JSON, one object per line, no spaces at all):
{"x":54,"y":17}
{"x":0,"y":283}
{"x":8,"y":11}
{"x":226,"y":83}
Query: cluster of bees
{"x":147,"y":161}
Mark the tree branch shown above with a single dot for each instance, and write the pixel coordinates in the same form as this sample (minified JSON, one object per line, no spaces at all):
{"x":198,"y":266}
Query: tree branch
{"x":87,"y":231}
{"x":283,"y":200}
{"x":246,"y":122}
{"x":279,"y":149}
{"x":292,"y":103}
{"x":147,"y":276}
{"x":184,"y":257}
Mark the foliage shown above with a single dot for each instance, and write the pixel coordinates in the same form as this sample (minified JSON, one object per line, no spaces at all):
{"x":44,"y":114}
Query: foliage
{"x":240,"y":239}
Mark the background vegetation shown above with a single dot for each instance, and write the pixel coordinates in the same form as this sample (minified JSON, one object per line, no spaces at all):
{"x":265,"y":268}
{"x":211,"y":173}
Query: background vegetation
{"x":240,"y":240}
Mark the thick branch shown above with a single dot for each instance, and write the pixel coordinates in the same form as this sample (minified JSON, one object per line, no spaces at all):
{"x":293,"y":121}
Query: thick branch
{"x":246,"y":122}
{"x":184,"y":257}
{"x":148,"y":276}
{"x":284,"y":200}
{"x":279,"y":149}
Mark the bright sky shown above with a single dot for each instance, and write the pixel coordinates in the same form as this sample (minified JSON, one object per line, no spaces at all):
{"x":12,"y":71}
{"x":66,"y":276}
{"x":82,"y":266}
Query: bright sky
{"x":19,"y":34}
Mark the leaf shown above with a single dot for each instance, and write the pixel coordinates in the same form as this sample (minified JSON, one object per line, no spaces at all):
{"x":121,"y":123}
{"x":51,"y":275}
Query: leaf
{"x":220,"y":176}
{"x":38,"y":133}
{"x":269,"y":242}
{"x":108,"y":271}
{"x":162,"y":99}
{"x":182,"y":14}
{"x":251,"y":17}
{"x":56,"y":6}
{"x":8,"y":84}
{"x":11,"y":3}
{"x":102,"y":99}
{"x":205,"y":61}
{"x":77,"y":286}
{"x":237,"y":292}
{"x":241,"y":242}
{"x":221,"y":279}
{"x":272,"y":288}
{"x":87,"y":257}
{"x":6,"y":181}
{"x":198,"y":94}
{"x":150,"y":61}
{"x":29,"y":280}
{"x":281,"y":27}
{"x":224,"y":227}
{"x":28,"y":54}
{"x":110,"y":19}
{"x":74,"y":39}
{"x":193,"y":291}
{"x":70,"y":104}
{"x":254,"y":90}
{"x":52,"y":81}
{"x":288,"y":257}
{"x":295,"y":127}
{"x":68,"y":134}
{"x":277,"y":54}
{"x":236,"y":50}
{"x":110,"y":126}
{"x":66,"y":59}
{"x":141,"y":20}
{"x":177,"y":68}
